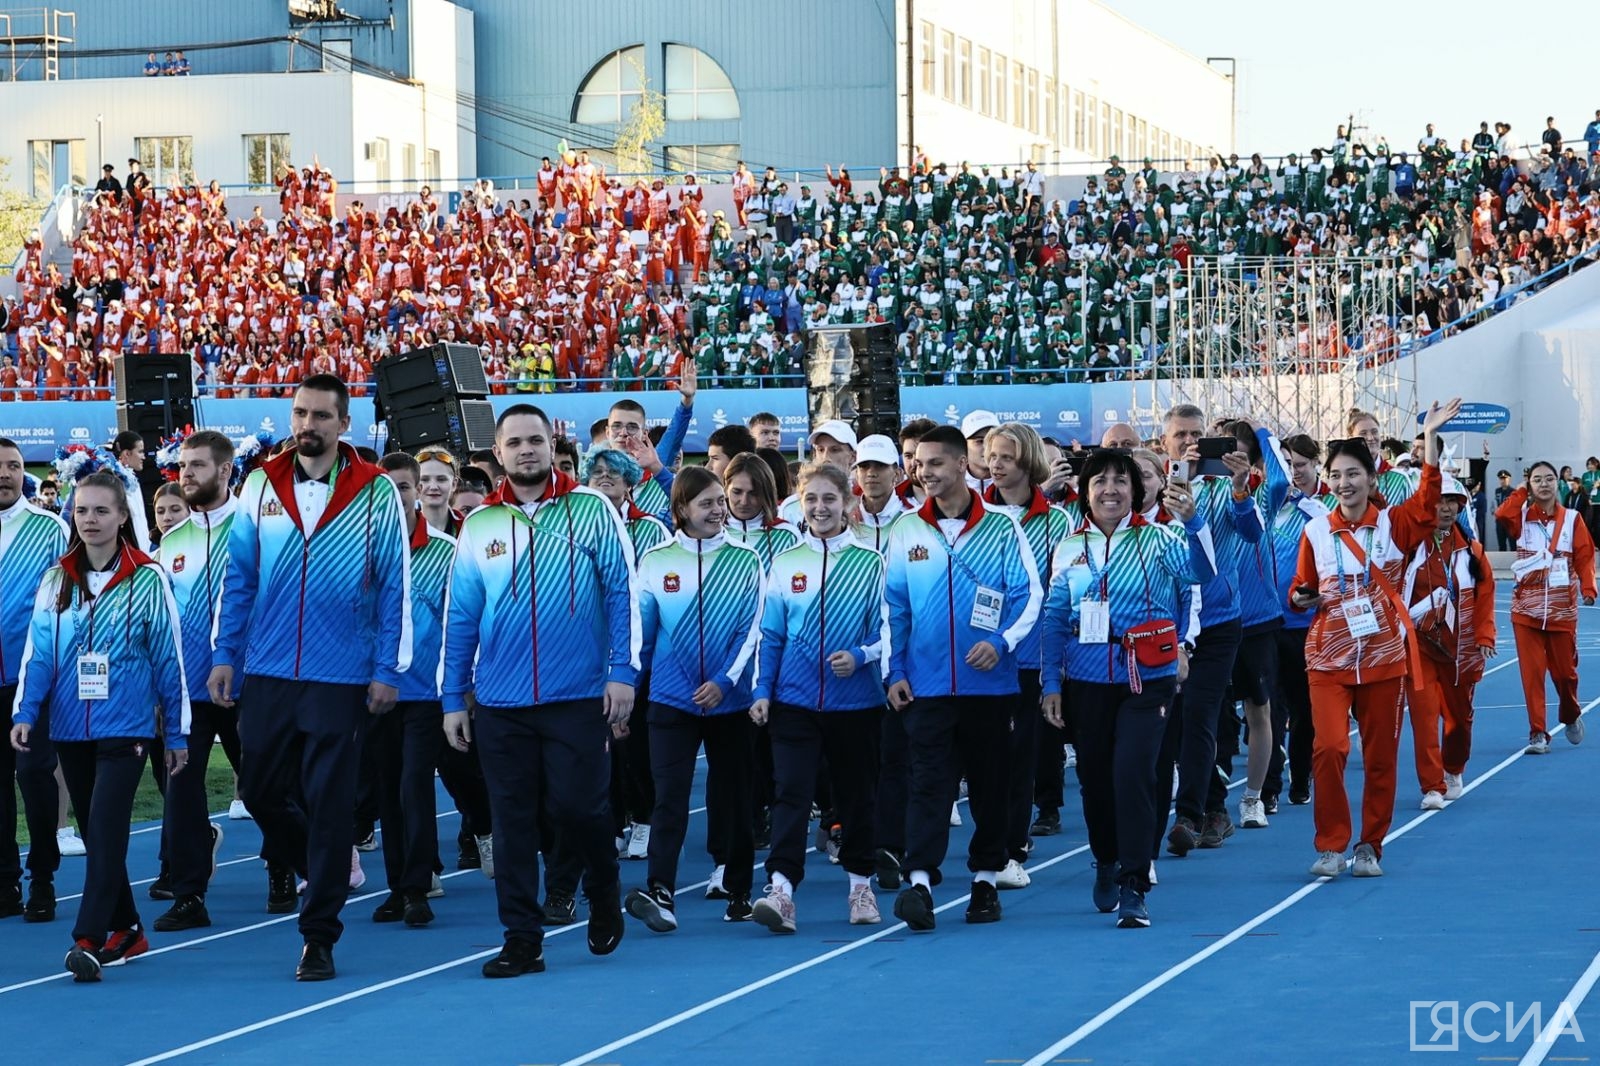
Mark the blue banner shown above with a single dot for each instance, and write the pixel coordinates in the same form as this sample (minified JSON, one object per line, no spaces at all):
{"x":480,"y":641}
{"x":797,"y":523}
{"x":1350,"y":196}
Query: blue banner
{"x":1488,"y":418}
{"x":1066,"y":412}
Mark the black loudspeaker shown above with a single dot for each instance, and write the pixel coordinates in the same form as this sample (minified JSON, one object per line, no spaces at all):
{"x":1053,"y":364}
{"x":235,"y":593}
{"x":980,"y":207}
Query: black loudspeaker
{"x":463,"y":426}
{"x":431,"y":375}
{"x":851,"y":374}
{"x":154,"y":379}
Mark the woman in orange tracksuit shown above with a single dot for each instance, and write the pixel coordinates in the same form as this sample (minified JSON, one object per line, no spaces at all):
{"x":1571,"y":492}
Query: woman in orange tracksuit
{"x":1555,"y":562}
{"x":1360,"y":644}
{"x":1449,"y":588}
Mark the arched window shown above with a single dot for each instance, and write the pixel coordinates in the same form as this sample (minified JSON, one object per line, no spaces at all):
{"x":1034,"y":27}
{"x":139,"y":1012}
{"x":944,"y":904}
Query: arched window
{"x":612,"y":87}
{"x":697,"y":87}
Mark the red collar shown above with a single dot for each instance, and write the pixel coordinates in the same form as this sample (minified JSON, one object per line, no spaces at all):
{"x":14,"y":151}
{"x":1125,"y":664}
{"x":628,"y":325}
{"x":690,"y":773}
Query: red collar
{"x":930,"y":514}
{"x":904,"y":491}
{"x":559,"y":484}
{"x":356,"y":475}
{"x":1337,"y":521}
{"x":633,"y":512}
{"x":1037,"y":504}
{"x":1085,"y":524}
{"x":76,"y":564}
{"x":419,"y":535}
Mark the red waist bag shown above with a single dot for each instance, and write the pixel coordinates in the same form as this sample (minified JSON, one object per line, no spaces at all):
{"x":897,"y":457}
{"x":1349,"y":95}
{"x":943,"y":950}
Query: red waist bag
{"x":1150,"y":644}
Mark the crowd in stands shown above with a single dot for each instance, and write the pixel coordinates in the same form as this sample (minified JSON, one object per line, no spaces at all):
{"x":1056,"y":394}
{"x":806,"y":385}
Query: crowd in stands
{"x":171,"y":65}
{"x":593,"y":283}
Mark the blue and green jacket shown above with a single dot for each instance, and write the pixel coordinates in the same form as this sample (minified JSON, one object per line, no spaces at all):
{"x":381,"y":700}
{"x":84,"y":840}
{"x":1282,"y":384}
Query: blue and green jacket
{"x":700,"y":605}
{"x":767,"y":538}
{"x":1044,"y":528}
{"x":194,"y":553}
{"x":823,"y":597}
{"x":31,"y":541}
{"x":433,"y":556}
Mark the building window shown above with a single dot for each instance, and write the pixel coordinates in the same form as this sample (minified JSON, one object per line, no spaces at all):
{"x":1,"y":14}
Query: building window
{"x":336,"y":55}
{"x":1106,"y":144}
{"x":998,"y":84}
{"x":265,"y":157}
{"x":926,"y":57}
{"x":1052,"y":124}
{"x":1018,"y":114}
{"x":1091,"y":139}
{"x":947,"y":64}
{"x":1117,"y":144}
{"x":1075,"y":118}
{"x":408,"y":162}
{"x":1033,"y":100}
{"x":698,"y":88}
{"x":983,"y":81}
{"x":430,"y":169}
{"x":55,"y":163}
{"x":167,"y":160}
{"x":964,"y":72}
{"x":1145,"y":147}
{"x":608,"y":94}
{"x":378,"y":156}
{"x":700,"y":158}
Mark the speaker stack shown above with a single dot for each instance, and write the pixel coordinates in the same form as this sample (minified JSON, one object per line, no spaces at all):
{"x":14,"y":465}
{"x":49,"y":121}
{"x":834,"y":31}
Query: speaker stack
{"x":155,"y":396}
{"x":436,"y":396}
{"x":851,"y":374}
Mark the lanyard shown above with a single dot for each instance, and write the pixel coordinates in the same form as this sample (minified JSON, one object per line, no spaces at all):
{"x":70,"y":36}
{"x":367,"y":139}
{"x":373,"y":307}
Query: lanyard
{"x":1338,"y":559}
{"x":1101,"y":575}
{"x":1447,"y":566}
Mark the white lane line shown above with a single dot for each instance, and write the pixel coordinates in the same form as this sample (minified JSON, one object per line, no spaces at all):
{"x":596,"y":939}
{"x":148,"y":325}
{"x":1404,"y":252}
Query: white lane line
{"x":1089,"y":1027}
{"x":1565,"y":1017}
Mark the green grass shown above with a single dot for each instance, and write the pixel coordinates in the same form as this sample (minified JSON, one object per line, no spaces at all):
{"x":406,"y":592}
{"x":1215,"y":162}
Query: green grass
{"x":147,"y":801}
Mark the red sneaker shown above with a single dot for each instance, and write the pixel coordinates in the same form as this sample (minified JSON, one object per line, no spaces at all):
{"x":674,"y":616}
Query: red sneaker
{"x":83,"y":962}
{"x":122,"y":946}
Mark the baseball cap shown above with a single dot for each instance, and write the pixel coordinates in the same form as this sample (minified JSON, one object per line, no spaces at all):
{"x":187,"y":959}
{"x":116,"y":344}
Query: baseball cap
{"x":839,"y":431}
{"x":877,"y":449}
{"x":978,"y":421}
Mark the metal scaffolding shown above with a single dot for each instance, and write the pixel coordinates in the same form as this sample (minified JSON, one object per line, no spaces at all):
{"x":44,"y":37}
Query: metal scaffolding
{"x":1290,"y":343}
{"x":36,"y":35}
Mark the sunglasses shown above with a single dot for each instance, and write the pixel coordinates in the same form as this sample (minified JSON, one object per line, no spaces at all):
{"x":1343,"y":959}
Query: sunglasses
{"x":436,"y":455}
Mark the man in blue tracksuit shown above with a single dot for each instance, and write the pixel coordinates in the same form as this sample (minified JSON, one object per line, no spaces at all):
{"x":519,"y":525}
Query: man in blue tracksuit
{"x":542,"y":629}
{"x":316,"y":621}
{"x":31,"y":540}
{"x":962,"y":593}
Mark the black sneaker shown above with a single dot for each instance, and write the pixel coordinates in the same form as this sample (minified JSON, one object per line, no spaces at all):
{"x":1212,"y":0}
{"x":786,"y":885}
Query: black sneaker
{"x":41,"y":902}
{"x":984,"y":907}
{"x":1133,"y":914}
{"x":654,"y":908}
{"x":516,"y":958}
{"x":1299,"y":796}
{"x":1048,"y":824}
{"x":281,"y":895}
{"x":1219,"y":827}
{"x":11,"y":899}
{"x":1183,"y":838}
{"x":559,"y":909}
{"x":83,"y":962}
{"x":1270,"y":803}
{"x":739,"y":909}
{"x":189,"y":912}
{"x":392,"y":909}
{"x":914,"y":906}
{"x":417,"y":913}
{"x":161,"y":887}
{"x":467,"y":857}
{"x":316,"y":963}
{"x":123,"y":945}
{"x":1106,"y":889}
{"x":605,"y":923}
{"x":367,"y":841}
{"x":888,"y":869}
{"x":764,"y":831}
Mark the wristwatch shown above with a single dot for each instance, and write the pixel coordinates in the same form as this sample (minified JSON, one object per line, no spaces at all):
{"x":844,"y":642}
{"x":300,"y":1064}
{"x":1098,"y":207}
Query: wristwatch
{"x":1188,"y":647}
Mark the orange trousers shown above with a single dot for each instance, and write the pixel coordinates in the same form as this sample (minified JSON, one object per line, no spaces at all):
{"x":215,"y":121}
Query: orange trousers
{"x":1376,"y":705}
{"x":1553,"y":652}
{"x":1431,"y":697}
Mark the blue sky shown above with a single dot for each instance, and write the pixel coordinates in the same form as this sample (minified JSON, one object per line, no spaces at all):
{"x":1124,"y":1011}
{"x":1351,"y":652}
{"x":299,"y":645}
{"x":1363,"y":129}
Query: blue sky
{"x":1303,"y":69}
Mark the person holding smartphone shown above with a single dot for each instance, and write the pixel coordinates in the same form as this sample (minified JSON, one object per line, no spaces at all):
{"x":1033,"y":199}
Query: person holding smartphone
{"x":1361,"y":642}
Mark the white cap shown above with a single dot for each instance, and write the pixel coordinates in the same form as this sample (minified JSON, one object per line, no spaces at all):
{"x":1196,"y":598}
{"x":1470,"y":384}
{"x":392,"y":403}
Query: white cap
{"x":1451,"y":486}
{"x":978,"y":421}
{"x":839,"y":431}
{"x":877,"y":449}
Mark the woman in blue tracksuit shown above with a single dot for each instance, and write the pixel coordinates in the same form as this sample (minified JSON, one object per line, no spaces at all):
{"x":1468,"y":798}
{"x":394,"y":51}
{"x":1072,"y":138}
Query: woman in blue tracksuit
{"x":700,"y":608}
{"x":819,"y":690}
{"x":1113,"y":621}
{"x":103,"y":650}
{"x":1290,"y":507}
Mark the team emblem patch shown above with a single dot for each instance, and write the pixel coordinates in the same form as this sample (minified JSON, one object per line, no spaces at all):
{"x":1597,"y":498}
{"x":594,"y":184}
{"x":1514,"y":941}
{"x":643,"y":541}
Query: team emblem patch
{"x":494,"y":549}
{"x":797,"y":583}
{"x":177,"y":564}
{"x":271,"y":509}
{"x":670,"y":583}
{"x":1082,"y":560}
{"x":919,"y":554}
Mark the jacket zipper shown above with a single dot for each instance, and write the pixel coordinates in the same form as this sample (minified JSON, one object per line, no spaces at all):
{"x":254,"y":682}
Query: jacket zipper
{"x":950,"y":600}
{"x":533,"y":608}
{"x":700,"y":606}
{"x":822,"y":639}
{"x":300,"y":616}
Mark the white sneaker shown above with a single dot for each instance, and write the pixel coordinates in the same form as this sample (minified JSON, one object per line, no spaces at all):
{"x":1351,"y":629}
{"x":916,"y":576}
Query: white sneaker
{"x":1433,"y":801}
{"x":358,"y":876}
{"x":486,"y":855}
{"x":714,"y":889}
{"x":1013,"y":876}
{"x":1453,"y":786}
{"x":955,"y":814}
{"x":774,"y":910}
{"x":1366,"y":862}
{"x":1328,"y":864}
{"x":1575,"y":732}
{"x":435,"y":887}
{"x":1072,"y":756}
{"x":1538,"y":744}
{"x":1252,"y":813}
{"x":69,"y":842}
{"x":237,"y":812}
{"x":639,"y":842}
{"x":1153,"y":880}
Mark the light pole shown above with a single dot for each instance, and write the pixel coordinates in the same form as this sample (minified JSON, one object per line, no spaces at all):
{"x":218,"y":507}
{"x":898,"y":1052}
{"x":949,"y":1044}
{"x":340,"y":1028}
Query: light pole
{"x":1233,"y":97}
{"x":99,"y":142}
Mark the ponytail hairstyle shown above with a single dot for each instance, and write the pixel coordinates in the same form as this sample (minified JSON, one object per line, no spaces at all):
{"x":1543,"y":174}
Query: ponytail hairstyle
{"x":100,"y":479}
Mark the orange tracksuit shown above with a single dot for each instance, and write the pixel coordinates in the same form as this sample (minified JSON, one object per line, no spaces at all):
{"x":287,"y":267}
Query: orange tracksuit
{"x":1360,"y":675}
{"x":1451,"y":640}
{"x":1544,"y":617}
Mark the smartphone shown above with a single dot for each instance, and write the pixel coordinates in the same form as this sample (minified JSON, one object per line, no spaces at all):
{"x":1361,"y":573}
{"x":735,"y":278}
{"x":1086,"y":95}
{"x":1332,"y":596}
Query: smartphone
{"x":1308,"y":590}
{"x":1212,"y":449}
{"x":1177,"y":470}
{"x":1075,"y":461}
